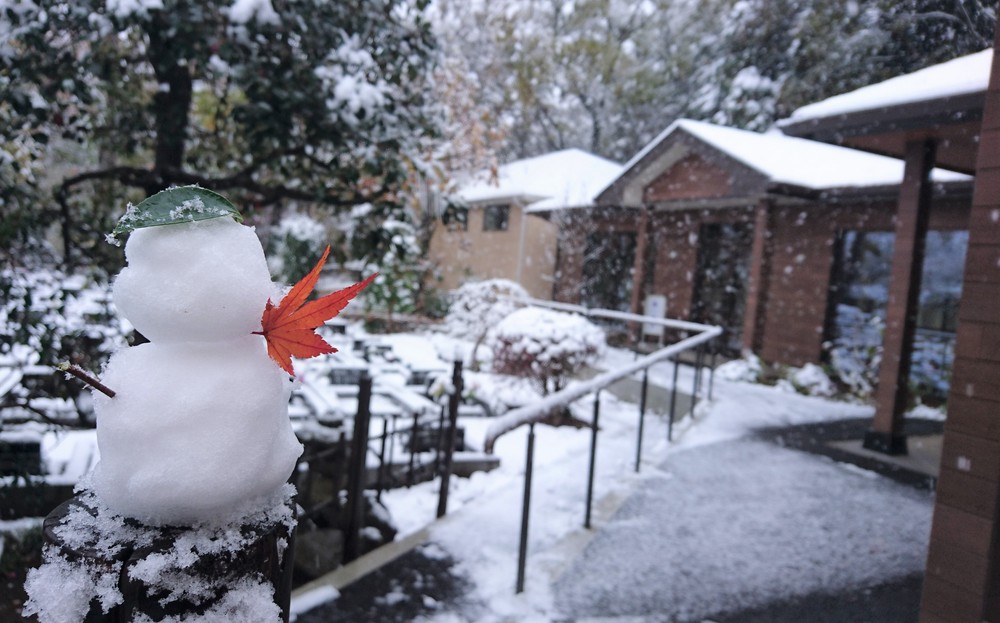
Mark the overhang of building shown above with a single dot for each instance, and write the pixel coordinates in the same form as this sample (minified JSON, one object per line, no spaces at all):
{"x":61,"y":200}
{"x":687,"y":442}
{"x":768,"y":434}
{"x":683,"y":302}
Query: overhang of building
{"x":953,"y":122}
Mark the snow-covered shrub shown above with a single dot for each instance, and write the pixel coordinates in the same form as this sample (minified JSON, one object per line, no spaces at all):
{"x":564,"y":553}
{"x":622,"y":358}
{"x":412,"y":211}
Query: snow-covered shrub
{"x":856,"y":354}
{"x":384,"y":239}
{"x":294,"y":246}
{"x":544,"y":345}
{"x":811,"y":379}
{"x":479,"y":305}
{"x":748,"y":369}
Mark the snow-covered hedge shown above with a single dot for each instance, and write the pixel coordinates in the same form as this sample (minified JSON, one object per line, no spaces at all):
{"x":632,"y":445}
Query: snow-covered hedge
{"x":544,"y":345}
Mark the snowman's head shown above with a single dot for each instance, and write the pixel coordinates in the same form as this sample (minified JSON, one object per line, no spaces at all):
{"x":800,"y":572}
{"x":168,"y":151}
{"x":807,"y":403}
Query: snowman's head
{"x":195,"y":281}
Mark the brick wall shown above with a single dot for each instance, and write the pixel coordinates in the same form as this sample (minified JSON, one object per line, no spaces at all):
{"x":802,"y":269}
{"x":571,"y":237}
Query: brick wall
{"x":573,"y":230}
{"x":801,"y":247}
{"x":691,"y":178}
{"x":962,"y":581}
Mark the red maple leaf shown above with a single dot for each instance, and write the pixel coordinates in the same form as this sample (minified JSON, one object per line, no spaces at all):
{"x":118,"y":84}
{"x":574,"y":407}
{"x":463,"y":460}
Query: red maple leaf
{"x":289,"y":328}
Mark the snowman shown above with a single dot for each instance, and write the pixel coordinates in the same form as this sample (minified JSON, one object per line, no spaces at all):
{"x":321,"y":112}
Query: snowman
{"x":198,"y":428}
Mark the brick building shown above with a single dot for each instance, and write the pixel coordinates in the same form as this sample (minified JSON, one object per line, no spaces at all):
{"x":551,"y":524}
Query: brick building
{"x":739,"y":229}
{"x":950,"y":115}
{"x":758,"y":224}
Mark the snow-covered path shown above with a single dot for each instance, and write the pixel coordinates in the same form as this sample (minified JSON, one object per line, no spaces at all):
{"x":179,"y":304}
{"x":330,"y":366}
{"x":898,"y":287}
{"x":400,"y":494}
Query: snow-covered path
{"x":739,"y":524}
{"x":718,"y":520}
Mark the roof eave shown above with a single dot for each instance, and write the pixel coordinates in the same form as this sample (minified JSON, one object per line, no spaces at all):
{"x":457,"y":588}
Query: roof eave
{"x":901,"y":117}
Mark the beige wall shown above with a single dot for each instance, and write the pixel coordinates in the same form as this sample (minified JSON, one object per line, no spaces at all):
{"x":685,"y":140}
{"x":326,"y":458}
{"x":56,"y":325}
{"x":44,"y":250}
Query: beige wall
{"x":475,"y":254}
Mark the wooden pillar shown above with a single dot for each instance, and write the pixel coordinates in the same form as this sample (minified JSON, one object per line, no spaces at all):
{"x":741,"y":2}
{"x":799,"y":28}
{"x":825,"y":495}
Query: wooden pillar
{"x":756,"y":301}
{"x":962,"y":580}
{"x":639,"y":269}
{"x":912,"y":215}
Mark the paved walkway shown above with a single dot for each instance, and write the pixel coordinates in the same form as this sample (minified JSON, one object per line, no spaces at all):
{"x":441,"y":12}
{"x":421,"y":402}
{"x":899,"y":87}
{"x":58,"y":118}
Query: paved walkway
{"x":741,"y":531}
{"x":741,"y":525}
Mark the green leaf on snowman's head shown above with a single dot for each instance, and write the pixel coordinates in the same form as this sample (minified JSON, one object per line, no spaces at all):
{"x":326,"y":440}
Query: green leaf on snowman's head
{"x":182,"y":204}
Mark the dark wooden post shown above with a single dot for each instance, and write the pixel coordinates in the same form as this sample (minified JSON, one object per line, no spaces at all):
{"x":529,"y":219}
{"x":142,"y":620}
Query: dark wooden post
{"x":753,"y":318}
{"x":639,"y":268}
{"x":912,"y":215}
{"x":453,"y":401}
{"x":266,"y":551}
{"x":357,"y":472}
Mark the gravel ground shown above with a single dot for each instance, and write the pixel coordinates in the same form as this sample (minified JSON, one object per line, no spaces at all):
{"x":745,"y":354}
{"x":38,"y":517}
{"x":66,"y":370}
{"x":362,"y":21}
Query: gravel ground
{"x":737,"y":526}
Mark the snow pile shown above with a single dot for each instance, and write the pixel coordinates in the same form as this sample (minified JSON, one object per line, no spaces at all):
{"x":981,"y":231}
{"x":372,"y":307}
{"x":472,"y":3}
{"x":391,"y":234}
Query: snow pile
{"x":63,"y":589}
{"x":811,"y":379}
{"x":242,"y":11}
{"x":748,"y":369}
{"x":199,"y":423}
{"x":545,"y":345}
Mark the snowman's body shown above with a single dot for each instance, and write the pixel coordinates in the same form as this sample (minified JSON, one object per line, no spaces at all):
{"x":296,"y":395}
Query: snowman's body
{"x":198,"y":429}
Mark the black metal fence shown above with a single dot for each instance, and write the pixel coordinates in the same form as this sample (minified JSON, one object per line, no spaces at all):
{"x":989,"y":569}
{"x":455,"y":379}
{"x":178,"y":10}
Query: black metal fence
{"x":410,"y":448}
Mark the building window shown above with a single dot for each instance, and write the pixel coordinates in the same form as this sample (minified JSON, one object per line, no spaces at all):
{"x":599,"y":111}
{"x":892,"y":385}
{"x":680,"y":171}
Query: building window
{"x":859,"y":297}
{"x":496,"y":217}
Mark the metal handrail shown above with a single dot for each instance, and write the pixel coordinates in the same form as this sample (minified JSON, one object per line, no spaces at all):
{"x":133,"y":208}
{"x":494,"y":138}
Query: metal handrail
{"x":532,"y":414}
{"x":541,"y":409}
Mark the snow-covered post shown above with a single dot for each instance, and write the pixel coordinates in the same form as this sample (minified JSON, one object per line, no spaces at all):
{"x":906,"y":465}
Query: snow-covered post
{"x":103,"y":568}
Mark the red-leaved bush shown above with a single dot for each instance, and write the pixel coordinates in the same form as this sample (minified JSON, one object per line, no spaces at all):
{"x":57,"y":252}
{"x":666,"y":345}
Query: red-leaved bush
{"x":545,"y":346}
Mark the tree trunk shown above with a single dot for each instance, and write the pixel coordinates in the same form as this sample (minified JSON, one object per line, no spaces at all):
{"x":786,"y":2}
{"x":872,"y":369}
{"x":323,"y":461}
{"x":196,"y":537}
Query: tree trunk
{"x":171,"y":107}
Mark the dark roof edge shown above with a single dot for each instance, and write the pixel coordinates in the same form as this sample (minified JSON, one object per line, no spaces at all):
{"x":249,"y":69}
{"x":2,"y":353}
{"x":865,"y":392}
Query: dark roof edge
{"x":961,"y":189}
{"x":915,"y":115}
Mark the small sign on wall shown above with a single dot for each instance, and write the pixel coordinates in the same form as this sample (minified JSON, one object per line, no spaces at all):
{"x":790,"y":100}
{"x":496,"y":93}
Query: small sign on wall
{"x":655,"y":306}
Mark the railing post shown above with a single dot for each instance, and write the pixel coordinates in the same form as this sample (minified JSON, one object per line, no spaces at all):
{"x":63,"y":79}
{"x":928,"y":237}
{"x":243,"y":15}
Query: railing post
{"x":673,"y":403}
{"x":380,"y":485}
{"x":593,"y":457}
{"x":358,"y":471}
{"x":711,"y":373}
{"x":453,"y":401}
{"x":642,"y":417}
{"x":392,"y":449}
{"x":699,"y":364}
{"x":413,"y":446}
{"x":522,"y":552}
{"x":694,"y":383}
{"x":440,"y":440}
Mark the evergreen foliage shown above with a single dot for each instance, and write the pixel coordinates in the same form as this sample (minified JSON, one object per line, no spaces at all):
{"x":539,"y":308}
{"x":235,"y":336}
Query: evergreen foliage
{"x":318,"y":102}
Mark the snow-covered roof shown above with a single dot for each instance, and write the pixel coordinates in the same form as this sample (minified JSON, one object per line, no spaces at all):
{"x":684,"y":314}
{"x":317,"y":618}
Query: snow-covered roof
{"x":961,"y":76}
{"x":567,"y":178}
{"x":795,"y":161}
